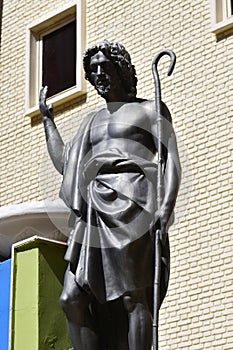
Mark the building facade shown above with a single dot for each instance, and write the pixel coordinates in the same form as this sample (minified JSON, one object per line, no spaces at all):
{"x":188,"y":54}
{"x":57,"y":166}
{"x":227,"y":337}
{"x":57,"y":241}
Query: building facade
{"x":197,"y":312}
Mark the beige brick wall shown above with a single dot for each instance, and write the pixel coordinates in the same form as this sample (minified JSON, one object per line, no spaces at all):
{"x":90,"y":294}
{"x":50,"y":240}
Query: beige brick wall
{"x":197,"y":313}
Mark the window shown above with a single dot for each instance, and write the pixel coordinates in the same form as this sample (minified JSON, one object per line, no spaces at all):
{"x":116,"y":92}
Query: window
{"x":54,"y":57}
{"x":221,"y":15}
{"x":59,"y":59}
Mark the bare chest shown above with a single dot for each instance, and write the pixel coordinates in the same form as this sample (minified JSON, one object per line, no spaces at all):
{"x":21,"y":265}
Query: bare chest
{"x":127,"y":123}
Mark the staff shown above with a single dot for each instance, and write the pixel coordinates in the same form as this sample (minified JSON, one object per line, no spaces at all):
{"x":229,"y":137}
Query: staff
{"x":157,"y":273}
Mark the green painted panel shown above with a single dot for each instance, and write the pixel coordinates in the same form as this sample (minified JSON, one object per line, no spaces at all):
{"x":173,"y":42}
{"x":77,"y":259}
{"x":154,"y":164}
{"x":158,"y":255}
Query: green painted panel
{"x":25,"y":305}
{"x":52,"y":324}
{"x":38,"y":323}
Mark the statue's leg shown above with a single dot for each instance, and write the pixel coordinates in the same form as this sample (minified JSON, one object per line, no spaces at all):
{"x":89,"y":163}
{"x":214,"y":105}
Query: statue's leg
{"x":140,"y":320}
{"x":75,"y":303}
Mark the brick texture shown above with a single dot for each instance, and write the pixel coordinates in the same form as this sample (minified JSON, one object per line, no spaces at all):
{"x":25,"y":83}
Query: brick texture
{"x":197,"y":312}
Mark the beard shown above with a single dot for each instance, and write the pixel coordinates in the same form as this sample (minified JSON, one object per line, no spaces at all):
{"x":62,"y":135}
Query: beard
{"x":102,"y":87}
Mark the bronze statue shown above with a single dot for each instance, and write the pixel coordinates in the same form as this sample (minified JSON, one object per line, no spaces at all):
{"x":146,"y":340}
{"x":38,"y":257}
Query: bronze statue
{"x":110,"y":185}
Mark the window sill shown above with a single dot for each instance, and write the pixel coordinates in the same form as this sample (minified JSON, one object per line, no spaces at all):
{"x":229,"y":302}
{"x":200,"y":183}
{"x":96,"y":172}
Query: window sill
{"x":223,"y":26}
{"x":58,"y":100}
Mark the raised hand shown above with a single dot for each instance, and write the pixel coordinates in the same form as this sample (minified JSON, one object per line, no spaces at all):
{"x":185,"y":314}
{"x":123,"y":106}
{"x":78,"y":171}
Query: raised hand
{"x":44,"y":109}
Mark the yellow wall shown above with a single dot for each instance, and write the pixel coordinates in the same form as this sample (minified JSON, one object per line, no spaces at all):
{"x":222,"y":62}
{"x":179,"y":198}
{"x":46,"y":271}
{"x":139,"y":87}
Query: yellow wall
{"x":197,"y":313}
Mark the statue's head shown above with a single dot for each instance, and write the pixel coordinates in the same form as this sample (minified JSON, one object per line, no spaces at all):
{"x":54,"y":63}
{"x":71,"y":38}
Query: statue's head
{"x":118,"y":55}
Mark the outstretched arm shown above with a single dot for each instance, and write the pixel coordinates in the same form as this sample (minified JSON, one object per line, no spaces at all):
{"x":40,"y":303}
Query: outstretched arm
{"x":54,"y":141}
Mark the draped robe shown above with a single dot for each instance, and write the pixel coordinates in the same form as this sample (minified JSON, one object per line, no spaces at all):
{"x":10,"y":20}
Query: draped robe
{"x":112,"y":197}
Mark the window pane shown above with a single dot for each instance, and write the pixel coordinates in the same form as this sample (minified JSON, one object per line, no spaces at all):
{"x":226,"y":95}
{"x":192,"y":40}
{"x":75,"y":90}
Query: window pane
{"x":59,"y":59}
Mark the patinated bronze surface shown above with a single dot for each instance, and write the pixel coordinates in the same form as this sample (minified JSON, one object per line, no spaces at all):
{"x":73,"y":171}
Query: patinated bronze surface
{"x":110,"y":185}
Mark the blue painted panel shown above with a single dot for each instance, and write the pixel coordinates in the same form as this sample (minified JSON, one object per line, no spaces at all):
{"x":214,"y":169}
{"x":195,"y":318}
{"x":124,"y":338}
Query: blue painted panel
{"x":5,"y":273}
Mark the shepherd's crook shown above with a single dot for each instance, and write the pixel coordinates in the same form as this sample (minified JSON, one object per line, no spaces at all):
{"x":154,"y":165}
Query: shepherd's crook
{"x":157,"y":273}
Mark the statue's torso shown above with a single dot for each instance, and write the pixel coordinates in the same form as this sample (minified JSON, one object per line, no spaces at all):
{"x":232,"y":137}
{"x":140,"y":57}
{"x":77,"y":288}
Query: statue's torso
{"x":127,"y":129}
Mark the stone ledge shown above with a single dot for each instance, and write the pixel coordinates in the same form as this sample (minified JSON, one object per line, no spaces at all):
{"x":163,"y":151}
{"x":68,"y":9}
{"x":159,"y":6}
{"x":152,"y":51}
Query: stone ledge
{"x":48,"y":219}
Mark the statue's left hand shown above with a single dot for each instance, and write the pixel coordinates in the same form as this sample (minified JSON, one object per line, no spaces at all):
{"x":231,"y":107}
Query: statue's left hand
{"x":163,"y":236}
{"x":163,"y":226}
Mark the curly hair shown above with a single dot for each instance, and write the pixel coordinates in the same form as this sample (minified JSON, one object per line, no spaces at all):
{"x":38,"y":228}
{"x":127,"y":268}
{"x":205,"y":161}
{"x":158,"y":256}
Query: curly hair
{"x":120,"y":57}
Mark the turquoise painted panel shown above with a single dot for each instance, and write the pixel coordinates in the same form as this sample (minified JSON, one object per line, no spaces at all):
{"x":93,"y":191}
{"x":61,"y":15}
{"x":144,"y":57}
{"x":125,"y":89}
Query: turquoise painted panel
{"x":5,"y":279}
